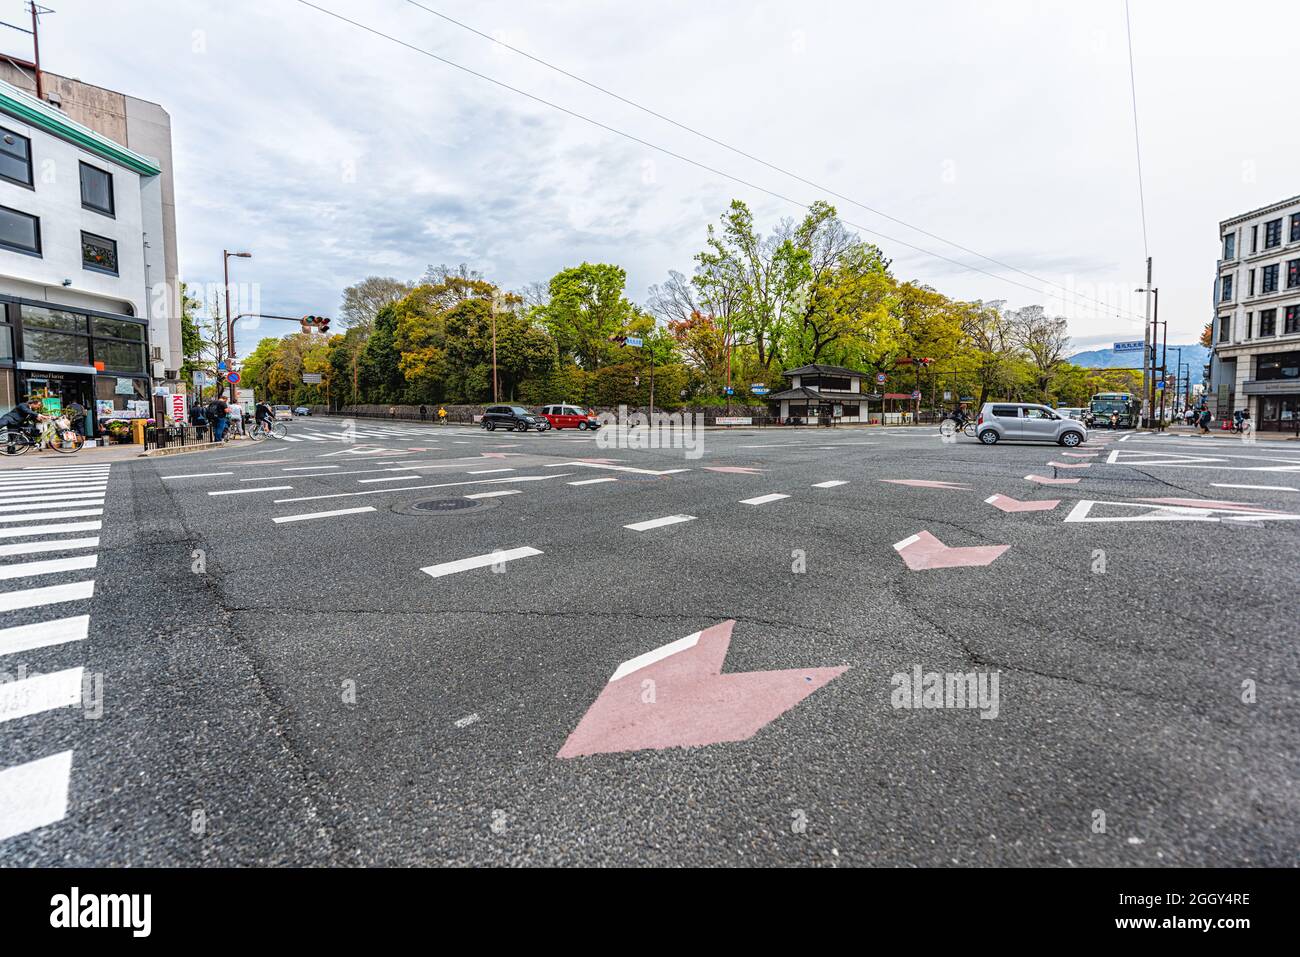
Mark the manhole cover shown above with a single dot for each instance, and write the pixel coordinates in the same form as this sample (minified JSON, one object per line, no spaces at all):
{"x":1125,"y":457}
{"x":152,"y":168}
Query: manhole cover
{"x":445,"y":505}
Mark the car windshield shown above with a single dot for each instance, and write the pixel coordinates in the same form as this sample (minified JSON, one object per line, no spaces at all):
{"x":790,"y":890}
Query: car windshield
{"x":1109,"y":405}
{"x":519,"y":411}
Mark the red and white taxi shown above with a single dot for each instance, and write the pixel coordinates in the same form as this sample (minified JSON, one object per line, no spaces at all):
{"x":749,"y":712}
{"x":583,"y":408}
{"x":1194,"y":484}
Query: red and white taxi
{"x":570,"y":417}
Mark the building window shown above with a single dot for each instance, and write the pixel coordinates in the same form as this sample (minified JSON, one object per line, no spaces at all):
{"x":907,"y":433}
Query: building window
{"x":120,"y":356}
{"x":118,"y":329}
{"x":1230,"y":246}
{"x":19,"y":231}
{"x":1292,"y":325}
{"x":1270,"y":278}
{"x":40,"y":345}
{"x":98,"y":253}
{"x":1250,"y":283}
{"x":1273,"y":234}
{"x":97,"y":189}
{"x":1254,"y":239}
{"x":1295,"y":228}
{"x":1293,"y":274}
{"x":1227,"y":289}
{"x":1250,"y":324}
{"x":1225,"y":328}
{"x":15,"y":157}
{"x":56,"y":319}
{"x":1278,"y":365}
{"x":1267,"y":323}
{"x":830,"y":383}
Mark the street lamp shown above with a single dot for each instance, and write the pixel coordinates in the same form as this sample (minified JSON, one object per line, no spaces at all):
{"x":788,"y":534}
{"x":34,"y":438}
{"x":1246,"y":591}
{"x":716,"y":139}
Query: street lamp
{"x":225,"y":268}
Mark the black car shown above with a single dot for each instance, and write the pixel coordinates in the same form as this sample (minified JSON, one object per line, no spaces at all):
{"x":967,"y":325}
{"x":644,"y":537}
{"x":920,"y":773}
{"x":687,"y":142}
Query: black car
{"x":512,"y":417}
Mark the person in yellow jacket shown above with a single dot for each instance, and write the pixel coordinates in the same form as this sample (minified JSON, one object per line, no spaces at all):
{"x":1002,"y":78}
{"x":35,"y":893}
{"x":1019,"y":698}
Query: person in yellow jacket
{"x":442,"y":416}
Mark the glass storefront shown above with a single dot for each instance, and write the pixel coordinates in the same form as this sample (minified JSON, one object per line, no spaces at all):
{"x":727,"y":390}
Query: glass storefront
{"x":62,"y":355}
{"x":1278,"y":413}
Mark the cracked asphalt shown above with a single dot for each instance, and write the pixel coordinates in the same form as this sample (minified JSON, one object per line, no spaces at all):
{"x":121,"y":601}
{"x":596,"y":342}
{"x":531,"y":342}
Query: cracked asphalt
{"x":301,"y":693}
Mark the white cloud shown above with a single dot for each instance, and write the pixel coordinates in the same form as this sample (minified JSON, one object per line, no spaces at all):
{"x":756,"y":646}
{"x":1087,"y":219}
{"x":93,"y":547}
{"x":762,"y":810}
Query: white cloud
{"x":332,"y":154}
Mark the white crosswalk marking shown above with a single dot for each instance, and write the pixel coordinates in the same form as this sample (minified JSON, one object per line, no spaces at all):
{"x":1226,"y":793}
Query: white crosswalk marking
{"x":34,"y":794}
{"x":29,"y":696}
{"x":37,"y":504}
{"x":47,"y":566}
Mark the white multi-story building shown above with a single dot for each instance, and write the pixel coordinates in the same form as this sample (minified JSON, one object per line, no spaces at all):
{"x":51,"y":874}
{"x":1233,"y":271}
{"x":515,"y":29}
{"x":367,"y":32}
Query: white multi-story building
{"x":84,"y":308}
{"x":1256,"y":358}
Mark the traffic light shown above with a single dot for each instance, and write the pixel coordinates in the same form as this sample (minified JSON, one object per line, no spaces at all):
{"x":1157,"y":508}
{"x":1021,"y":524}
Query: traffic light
{"x":618,"y":338}
{"x":319,"y":323}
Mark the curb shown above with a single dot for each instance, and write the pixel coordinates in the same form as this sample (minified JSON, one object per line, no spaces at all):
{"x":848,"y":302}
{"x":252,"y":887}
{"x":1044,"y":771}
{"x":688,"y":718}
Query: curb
{"x":184,"y":450}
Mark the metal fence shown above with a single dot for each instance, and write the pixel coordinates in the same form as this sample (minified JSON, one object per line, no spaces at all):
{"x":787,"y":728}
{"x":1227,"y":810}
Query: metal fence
{"x":176,"y":436}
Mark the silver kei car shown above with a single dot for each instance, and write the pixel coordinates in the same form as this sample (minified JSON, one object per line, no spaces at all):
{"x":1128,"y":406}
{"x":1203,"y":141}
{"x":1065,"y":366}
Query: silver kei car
{"x":1027,"y":422}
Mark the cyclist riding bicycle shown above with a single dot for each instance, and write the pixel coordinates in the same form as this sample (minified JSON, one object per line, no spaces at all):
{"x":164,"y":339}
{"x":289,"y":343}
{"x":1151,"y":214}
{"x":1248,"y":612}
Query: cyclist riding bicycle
{"x":24,"y":416}
{"x":263,"y":417}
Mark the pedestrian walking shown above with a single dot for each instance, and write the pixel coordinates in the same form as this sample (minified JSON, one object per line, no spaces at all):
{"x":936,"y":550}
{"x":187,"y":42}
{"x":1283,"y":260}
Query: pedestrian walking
{"x":392,"y":411}
{"x":424,"y":413}
{"x":217,"y":410}
{"x":442,"y":415}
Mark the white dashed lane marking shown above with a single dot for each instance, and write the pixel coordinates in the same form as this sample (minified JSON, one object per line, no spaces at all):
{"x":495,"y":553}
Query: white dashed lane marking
{"x":479,"y":561}
{"x":305,"y":516}
{"x":659,"y":522}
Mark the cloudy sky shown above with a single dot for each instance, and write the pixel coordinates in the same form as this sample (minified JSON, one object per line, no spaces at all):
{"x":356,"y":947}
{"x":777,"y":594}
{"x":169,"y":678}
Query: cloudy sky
{"x":1006,"y":127}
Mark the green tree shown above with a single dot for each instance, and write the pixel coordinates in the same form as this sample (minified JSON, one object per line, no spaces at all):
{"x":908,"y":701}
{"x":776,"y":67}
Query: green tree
{"x":586,"y":307}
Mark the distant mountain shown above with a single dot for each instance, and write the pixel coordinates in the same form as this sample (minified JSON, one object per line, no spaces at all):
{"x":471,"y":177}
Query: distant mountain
{"x":1195,"y":356}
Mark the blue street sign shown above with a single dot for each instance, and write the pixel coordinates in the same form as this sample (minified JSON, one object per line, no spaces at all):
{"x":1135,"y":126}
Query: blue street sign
{"x":881,"y":377}
{"x":759,"y":389}
{"x":634,"y":342}
{"x":916,"y":395}
{"x":221,"y":367}
{"x":233,"y":378}
{"x":1132,"y":345}
{"x":728,"y":391}
{"x":1160,"y":385}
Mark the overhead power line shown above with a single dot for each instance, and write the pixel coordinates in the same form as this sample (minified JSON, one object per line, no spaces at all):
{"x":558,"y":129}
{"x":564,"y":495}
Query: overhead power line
{"x":749,"y":156}
{"x":686,"y":159}
{"x":1137,"y":139}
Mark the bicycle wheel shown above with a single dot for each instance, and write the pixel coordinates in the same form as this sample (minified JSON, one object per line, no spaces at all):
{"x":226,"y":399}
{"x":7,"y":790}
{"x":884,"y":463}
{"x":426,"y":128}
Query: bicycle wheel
{"x":947,"y":428}
{"x":279,"y":430}
{"x":66,"y":441}
{"x":971,"y":428}
{"x":13,"y":442}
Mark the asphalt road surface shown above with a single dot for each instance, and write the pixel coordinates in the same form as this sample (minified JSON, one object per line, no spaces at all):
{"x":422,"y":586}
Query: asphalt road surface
{"x":286,"y":660}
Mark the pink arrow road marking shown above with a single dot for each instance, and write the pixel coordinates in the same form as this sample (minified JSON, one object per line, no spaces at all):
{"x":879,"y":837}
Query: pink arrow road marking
{"x":1008,"y":504}
{"x":677,"y":697}
{"x":919,"y":483}
{"x":923,"y":550}
{"x":1050,"y":481}
{"x":733,"y":469}
{"x":1071,"y":465}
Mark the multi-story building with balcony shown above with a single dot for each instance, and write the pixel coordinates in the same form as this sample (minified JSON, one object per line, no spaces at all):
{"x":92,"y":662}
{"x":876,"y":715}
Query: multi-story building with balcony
{"x":1255,"y":363}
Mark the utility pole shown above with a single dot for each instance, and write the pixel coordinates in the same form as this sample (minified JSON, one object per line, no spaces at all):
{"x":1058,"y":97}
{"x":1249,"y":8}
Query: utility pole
{"x":1164,"y":361}
{"x":495,"y":388}
{"x":1146,"y":346}
{"x":728,"y":340}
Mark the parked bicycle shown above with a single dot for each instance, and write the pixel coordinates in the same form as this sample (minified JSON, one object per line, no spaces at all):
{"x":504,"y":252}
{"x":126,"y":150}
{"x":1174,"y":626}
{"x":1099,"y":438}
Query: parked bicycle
{"x":55,"y":433}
